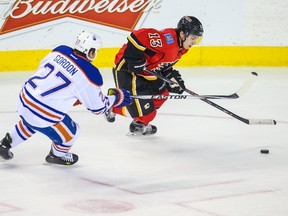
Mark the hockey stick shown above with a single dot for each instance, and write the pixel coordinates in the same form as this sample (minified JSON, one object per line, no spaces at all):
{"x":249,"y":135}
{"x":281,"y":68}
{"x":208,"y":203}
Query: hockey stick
{"x":245,"y":86}
{"x":178,"y":96}
{"x":245,"y":120}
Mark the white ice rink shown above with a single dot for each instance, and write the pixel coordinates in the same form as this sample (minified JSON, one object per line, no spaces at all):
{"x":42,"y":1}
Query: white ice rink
{"x":201,"y":162}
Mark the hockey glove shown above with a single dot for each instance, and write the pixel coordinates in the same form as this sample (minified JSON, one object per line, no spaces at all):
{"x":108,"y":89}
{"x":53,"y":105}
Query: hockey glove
{"x":123,"y":97}
{"x":177,"y":84}
{"x":136,"y":66}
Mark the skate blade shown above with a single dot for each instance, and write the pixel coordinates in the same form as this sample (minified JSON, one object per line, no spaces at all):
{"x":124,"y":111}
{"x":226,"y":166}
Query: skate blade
{"x":133,"y":134}
{"x":4,"y":160}
{"x":61,"y":166}
{"x":138,"y":134}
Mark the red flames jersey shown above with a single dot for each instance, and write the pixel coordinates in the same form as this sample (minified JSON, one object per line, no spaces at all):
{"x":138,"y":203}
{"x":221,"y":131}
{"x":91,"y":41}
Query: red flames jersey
{"x":161,"y":48}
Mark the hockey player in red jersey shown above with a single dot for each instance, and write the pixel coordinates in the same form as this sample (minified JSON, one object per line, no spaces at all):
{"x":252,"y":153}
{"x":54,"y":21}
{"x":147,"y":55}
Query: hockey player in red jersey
{"x":157,"y":51}
{"x":64,"y":78}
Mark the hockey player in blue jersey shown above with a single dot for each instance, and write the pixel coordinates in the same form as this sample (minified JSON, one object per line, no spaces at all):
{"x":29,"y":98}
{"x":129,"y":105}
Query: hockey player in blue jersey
{"x":65,"y":77}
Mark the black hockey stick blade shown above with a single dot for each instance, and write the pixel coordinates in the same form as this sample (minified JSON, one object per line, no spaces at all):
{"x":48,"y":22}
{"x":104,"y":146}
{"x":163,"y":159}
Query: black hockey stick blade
{"x":245,"y":120}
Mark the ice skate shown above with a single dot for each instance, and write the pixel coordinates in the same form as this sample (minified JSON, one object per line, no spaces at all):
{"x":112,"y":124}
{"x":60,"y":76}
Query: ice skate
{"x":5,"y":146}
{"x":137,"y":128}
{"x":109,"y":115}
{"x":67,"y":159}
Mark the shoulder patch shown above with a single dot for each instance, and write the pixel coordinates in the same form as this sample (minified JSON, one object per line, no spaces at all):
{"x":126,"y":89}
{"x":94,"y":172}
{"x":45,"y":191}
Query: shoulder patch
{"x":169,"y":38}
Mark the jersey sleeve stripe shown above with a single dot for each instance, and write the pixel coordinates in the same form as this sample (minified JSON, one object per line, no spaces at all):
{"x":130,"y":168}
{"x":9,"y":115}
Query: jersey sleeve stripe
{"x":98,"y":111}
{"x":137,"y":45}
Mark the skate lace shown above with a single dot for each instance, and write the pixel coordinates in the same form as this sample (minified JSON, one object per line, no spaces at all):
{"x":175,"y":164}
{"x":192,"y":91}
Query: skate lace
{"x":68,"y":157}
{"x":146,"y":128}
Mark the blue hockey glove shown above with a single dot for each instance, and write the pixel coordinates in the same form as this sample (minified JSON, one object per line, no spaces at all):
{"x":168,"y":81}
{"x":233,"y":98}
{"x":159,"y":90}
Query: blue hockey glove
{"x":178,"y":85}
{"x":123,"y":97}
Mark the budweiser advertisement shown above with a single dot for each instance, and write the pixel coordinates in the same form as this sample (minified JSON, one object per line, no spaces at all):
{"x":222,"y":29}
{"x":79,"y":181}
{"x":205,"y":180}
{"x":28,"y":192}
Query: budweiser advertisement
{"x":18,"y":15}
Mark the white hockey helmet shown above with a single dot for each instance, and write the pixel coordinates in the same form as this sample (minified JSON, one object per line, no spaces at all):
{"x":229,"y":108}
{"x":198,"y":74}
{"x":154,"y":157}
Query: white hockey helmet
{"x":86,"y":41}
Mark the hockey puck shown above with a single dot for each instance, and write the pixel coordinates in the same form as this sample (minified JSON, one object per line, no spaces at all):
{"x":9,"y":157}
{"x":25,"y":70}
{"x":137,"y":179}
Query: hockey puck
{"x":264,"y":151}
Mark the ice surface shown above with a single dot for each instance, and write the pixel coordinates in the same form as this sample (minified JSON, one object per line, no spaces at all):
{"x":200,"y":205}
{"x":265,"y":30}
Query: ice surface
{"x":201,"y":162}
